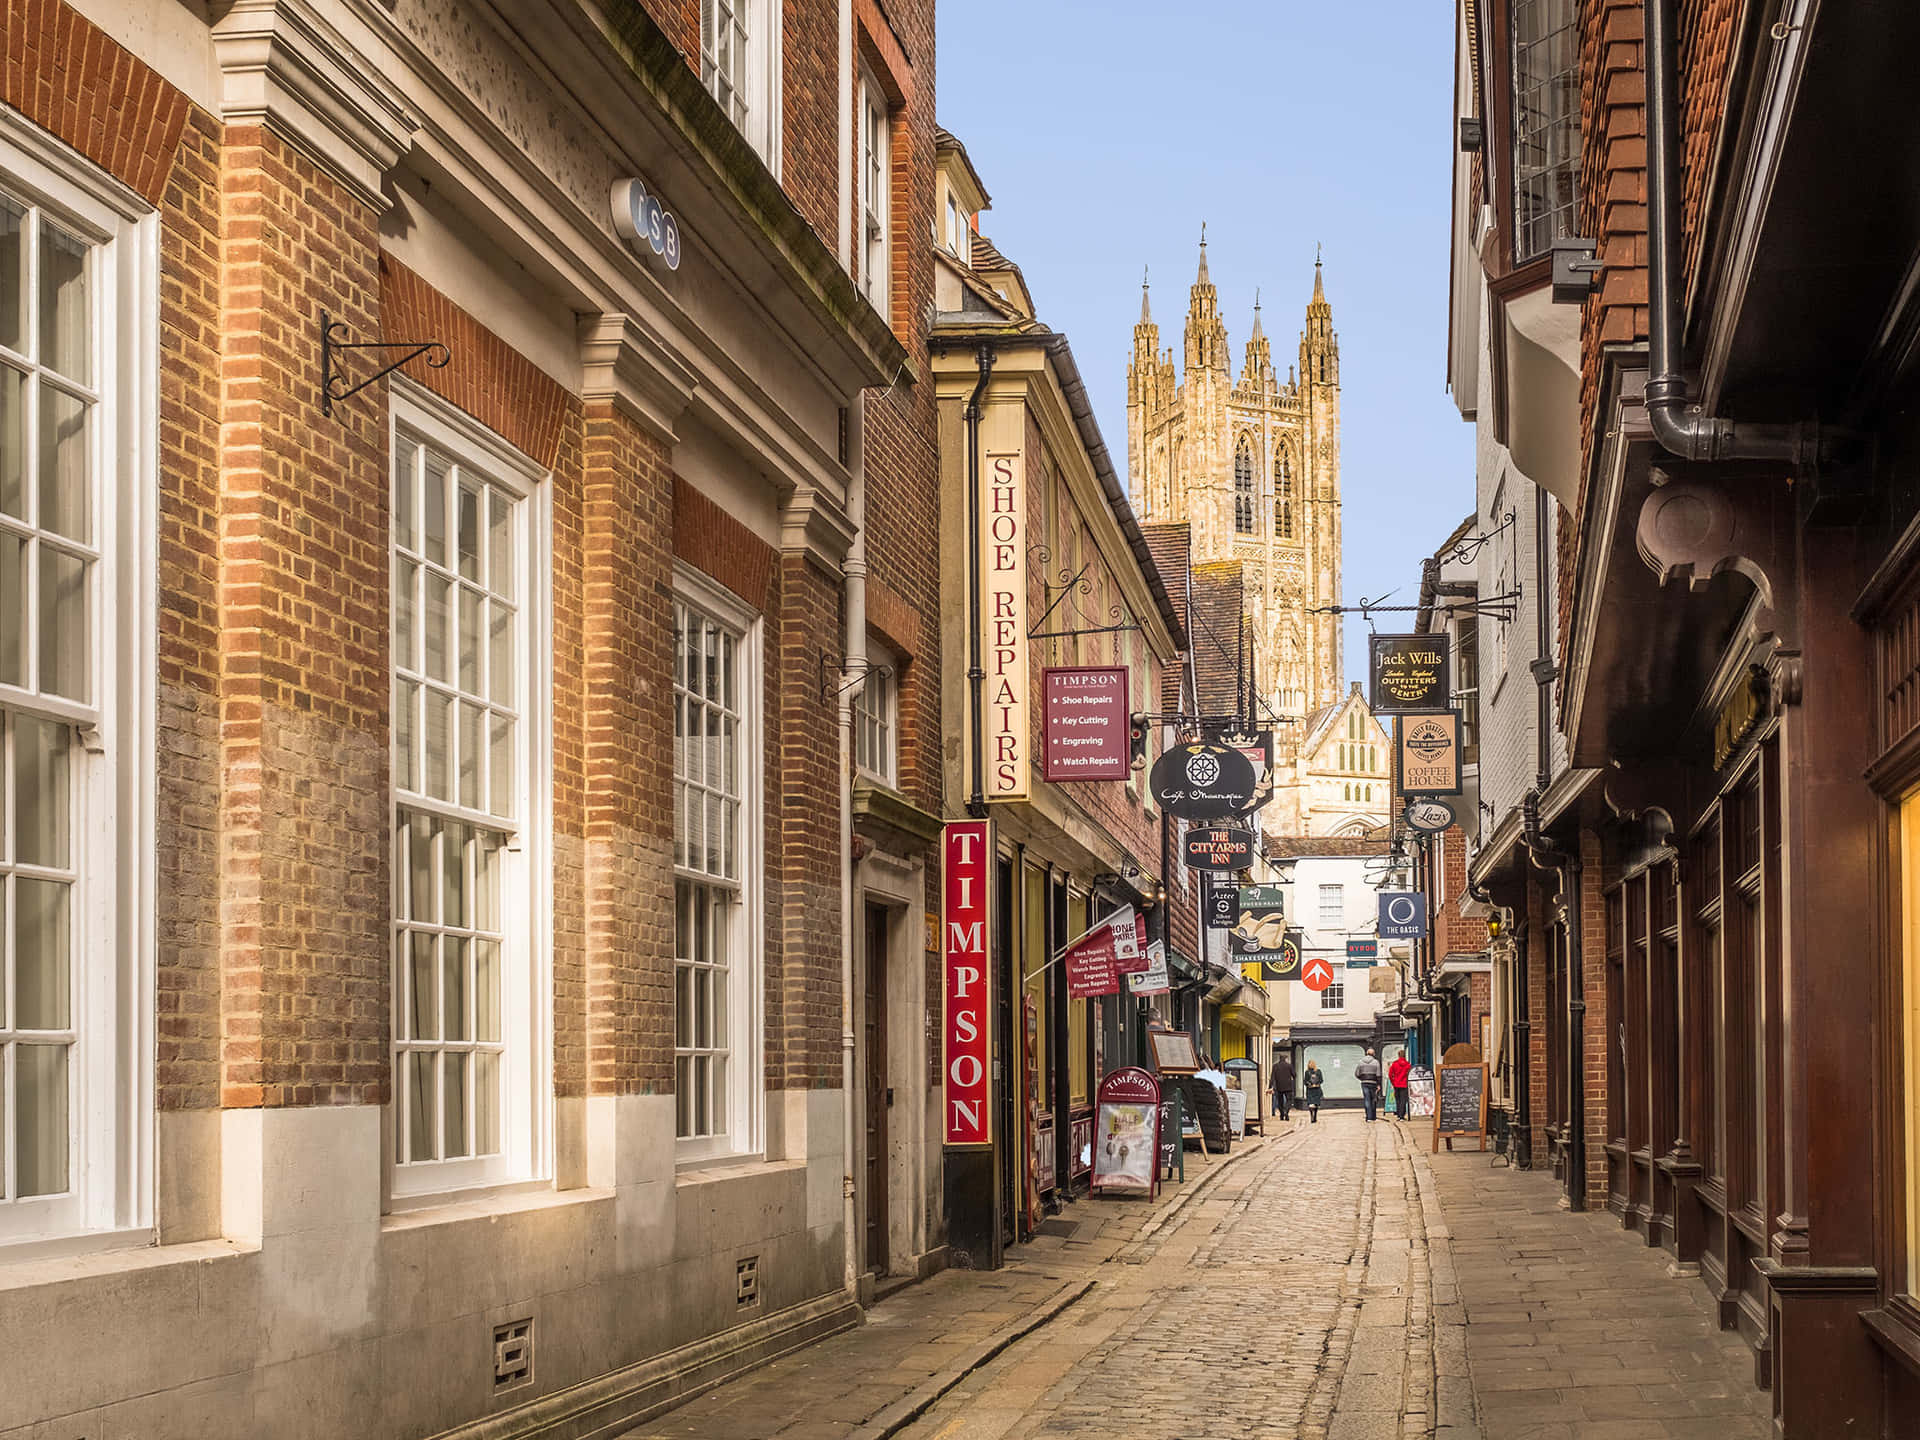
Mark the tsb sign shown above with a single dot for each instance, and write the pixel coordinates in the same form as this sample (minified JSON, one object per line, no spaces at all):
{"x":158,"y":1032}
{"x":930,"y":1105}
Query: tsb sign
{"x":644,"y":222}
{"x":966,"y":888}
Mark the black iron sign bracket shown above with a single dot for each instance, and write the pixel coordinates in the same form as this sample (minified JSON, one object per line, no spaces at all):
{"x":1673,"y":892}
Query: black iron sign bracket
{"x":333,"y":385}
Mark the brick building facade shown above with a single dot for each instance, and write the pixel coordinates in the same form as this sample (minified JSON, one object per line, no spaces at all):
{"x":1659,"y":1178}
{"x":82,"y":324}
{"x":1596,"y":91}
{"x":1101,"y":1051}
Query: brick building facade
{"x":459,"y":1014}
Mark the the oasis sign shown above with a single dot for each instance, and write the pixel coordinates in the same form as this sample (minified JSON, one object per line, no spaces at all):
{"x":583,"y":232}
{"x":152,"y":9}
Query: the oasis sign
{"x":1409,"y":674}
{"x":966,"y":923}
{"x":1003,"y":621}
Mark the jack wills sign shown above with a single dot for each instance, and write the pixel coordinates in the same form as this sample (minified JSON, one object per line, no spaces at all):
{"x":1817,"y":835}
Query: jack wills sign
{"x":1410,"y":674}
{"x":1003,"y":618}
{"x":966,"y":925}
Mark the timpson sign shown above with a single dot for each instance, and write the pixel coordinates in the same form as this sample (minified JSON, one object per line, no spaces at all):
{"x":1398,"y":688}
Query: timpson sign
{"x":1003,"y":618}
{"x":966,"y":930}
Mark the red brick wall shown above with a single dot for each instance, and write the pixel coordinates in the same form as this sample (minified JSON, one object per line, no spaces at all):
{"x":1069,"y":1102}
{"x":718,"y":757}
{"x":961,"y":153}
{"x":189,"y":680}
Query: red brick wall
{"x":1539,"y":956}
{"x":1599,"y":1028}
{"x":1706,"y":55}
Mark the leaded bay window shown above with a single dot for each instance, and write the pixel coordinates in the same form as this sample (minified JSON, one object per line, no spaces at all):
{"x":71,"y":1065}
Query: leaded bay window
{"x":716,"y":982}
{"x":464,"y":991}
{"x":75,"y":668}
{"x":1546,"y":125}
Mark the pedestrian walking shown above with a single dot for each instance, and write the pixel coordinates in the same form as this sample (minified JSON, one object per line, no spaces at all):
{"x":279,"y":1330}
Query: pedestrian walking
{"x":1397,"y":1077}
{"x":1367,"y":1072}
{"x":1316,"y":1091}
{"x":1283,"y":1083}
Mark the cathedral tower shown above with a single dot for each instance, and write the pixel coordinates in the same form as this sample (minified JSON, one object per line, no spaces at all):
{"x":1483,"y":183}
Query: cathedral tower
{"x":1253,"y":465}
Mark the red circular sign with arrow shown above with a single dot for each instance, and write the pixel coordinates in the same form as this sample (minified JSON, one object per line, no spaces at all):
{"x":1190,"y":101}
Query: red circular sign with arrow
{"x":1316,"y":974}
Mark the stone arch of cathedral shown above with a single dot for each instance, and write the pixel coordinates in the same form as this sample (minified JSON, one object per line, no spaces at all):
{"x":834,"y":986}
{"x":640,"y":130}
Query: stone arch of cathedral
{"x":1283,"y":493}
{"x":1243,"y":486}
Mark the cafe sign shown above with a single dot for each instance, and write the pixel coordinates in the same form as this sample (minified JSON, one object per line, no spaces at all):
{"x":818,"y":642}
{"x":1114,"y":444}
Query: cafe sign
{"x":1202,"y":781}
{"x":1429,"y":753}
{"x":1410,"y":674}
{"x":966,"y":922}
{"x":1224,"y":849}
{"x":1429,"y":815}
{"x":1003,"y":620}
{"x":1087,"y":726}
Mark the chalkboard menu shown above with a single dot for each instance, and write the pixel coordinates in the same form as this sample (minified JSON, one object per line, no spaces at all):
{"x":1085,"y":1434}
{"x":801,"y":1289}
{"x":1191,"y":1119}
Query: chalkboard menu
{"x":1460,"y":1103}
{"x":1173,"y":1154}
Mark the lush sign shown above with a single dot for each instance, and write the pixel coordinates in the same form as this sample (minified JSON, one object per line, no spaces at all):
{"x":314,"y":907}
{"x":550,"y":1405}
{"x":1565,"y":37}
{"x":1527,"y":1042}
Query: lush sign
{"x":966,"y":923}
{"x":1087,"y":724}
{"x":1200,"y":781}
{"x":1410,"y":673}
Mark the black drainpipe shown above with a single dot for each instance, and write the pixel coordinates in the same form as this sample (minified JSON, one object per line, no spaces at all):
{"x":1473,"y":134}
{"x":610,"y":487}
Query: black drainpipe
{"x":976,"y":672}
{"x":1680,"y":428}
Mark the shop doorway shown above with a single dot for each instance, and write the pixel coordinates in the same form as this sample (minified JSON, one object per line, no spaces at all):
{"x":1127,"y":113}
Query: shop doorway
{"x":879,"y":1095}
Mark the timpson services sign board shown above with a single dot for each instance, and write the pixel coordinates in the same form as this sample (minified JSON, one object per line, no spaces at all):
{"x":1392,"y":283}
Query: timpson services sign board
{"x":1003,"y":620}
{"x":1411,"y":674}
{"x":966,"y":928}
{"x":1087,"y":724}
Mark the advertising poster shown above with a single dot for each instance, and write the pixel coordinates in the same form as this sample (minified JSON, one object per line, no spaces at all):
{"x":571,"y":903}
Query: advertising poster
{"x":1152,"y":980}
{"x":1127,"y":1134}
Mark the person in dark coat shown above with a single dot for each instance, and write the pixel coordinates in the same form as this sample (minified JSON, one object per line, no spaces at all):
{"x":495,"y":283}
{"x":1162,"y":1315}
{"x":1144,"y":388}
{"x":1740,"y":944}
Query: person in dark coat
{"x":1367,"y":1072}
{"x":1283,"y":1083}
{"x":1316,"y":1091}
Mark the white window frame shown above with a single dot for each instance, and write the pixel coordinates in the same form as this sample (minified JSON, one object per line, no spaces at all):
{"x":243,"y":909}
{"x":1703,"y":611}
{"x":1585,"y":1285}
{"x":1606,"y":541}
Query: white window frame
{"x":110,"y":1097}
{"x":758,"y":91}
{"x":526,"y":899}
{"x":1334,"y":997}
{"x":1338,"y":894}
{"x":876,"y":193}
{"x":745,"y":1085}
{"x":882,"y":683}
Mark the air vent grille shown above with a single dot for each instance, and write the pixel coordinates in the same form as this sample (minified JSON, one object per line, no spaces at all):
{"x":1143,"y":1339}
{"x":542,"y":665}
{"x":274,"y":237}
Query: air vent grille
{"x":746,"y":1282}
{"x":512,"y":1354}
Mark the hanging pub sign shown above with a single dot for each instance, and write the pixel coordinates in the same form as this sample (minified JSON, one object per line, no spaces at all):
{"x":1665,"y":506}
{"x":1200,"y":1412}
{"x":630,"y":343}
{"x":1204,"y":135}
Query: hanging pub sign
{"x":1086,"y":723}
{"x":1286,"y":964}
{"x":1225,"y":848}
{"x":1429,"y":815}
{"x":1429,"y":753}
{"x":1260,"y":925}
{"x":966,"y":890}
{"x":1222,"y":908}
{"x":1410,"y":674}
{"x":1259,"y":753}
{"x":1202,"y":781}
{"x":1003,"y":621}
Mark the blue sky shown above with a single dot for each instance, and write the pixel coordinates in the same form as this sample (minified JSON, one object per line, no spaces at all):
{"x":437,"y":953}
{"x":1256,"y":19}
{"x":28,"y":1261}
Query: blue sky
{"x":1107,"y":133}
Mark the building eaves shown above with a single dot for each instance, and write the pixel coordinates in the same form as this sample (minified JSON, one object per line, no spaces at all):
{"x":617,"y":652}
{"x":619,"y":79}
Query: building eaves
{"x":945,"y":142}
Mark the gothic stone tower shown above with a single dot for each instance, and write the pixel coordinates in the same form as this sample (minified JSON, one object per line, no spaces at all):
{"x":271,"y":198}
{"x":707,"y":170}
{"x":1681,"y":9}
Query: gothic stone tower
{"x":1253,"y":465}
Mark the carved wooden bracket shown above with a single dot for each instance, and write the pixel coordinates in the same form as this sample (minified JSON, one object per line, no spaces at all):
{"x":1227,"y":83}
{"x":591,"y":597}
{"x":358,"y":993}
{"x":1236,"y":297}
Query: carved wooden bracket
{"x":1691,"y":531}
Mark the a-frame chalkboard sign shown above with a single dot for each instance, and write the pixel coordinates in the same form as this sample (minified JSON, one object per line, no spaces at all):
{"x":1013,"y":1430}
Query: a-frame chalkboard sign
{"x":1459,"y":1103}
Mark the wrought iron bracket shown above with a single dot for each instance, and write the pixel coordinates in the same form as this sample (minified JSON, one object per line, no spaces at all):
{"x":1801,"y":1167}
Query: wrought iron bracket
{"x":829,"y":691}
{"x":333,"y":385}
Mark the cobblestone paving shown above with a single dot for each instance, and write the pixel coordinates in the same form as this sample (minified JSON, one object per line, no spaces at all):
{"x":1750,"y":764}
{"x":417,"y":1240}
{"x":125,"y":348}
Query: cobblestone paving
{"x":1333,"y":1282}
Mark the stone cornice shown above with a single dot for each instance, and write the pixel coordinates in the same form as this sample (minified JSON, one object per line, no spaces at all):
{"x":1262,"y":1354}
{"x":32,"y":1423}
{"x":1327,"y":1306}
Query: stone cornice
{"x":284,"y":67}
{"x":623,"y":362}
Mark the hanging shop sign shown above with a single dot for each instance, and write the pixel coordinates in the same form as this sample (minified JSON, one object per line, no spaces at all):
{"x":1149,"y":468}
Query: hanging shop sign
{"x":1429,"y":747}
{"x":966,"y":922}
{"x":644,"y":223}
{"x":1259,"y":753}
{"x":1410,"y":674}
{"x":1286,"y":964}
{"x":1003,"y":620}
{"x":1222,"y":901}
{"x":1086,"y":724}
{"x":1317,"y":973}
{"x":1361,"y":953}
{"x":1223,"y":848}
{"x":1129,"y":940}
{"x":1202,"y":781}
{"x":1261,"y":924}
{"x":1153,"y":980}
{"x":1403,"y":915}
{"x":1109,"y":949}
{"x":1429,"y":815}
{"x":1127,"y":1133}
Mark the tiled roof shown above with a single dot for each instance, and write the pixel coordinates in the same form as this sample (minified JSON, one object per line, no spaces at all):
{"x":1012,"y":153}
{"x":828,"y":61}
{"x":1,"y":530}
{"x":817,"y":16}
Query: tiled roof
{"x":1171,"y":543}
{"x":1301,"y":847}
{"x":1218,"y":629}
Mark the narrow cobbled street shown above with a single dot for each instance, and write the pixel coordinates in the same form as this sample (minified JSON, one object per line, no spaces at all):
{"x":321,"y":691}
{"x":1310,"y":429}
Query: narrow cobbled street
{"x":1306,"y":1286}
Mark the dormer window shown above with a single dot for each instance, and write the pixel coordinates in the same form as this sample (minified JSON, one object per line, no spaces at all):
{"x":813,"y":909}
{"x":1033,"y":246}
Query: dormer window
{"x":739,"y":64}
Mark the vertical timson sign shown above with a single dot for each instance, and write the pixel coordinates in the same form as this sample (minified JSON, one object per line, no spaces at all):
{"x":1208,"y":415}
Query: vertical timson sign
{"x":1003,"y":613}
{"x":966,"y":929}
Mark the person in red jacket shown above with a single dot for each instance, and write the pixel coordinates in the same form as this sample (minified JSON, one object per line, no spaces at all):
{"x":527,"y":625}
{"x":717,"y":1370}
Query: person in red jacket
{"x":1397,"y":1077}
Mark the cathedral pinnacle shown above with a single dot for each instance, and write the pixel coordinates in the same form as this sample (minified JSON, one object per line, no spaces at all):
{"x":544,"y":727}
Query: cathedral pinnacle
{"x":1146,"y":315}
{"x":1258,"y":332}
{"x":1202,"y":279}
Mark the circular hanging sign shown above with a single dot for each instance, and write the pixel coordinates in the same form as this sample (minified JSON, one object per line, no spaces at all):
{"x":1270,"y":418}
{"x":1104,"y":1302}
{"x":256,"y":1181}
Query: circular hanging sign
{"x":1199,"y":781}
{"x":1316,"y":974}
{"x":1223,"y":849}
{"x":1429,"y":815}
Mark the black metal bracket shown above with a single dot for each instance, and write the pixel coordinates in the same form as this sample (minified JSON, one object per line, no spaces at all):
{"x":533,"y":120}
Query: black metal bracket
{"x":829,"y":691}
{"x":334,"y":387}
{"x":1069,"y":584}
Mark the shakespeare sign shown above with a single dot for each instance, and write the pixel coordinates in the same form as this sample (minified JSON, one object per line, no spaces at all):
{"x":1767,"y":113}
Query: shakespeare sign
{"x":1086,"y":720}
{"x":1410,"y":674}
{"x":1202,"y":782}
{"x":966,"y":890}
{"x":1003,"y":619}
